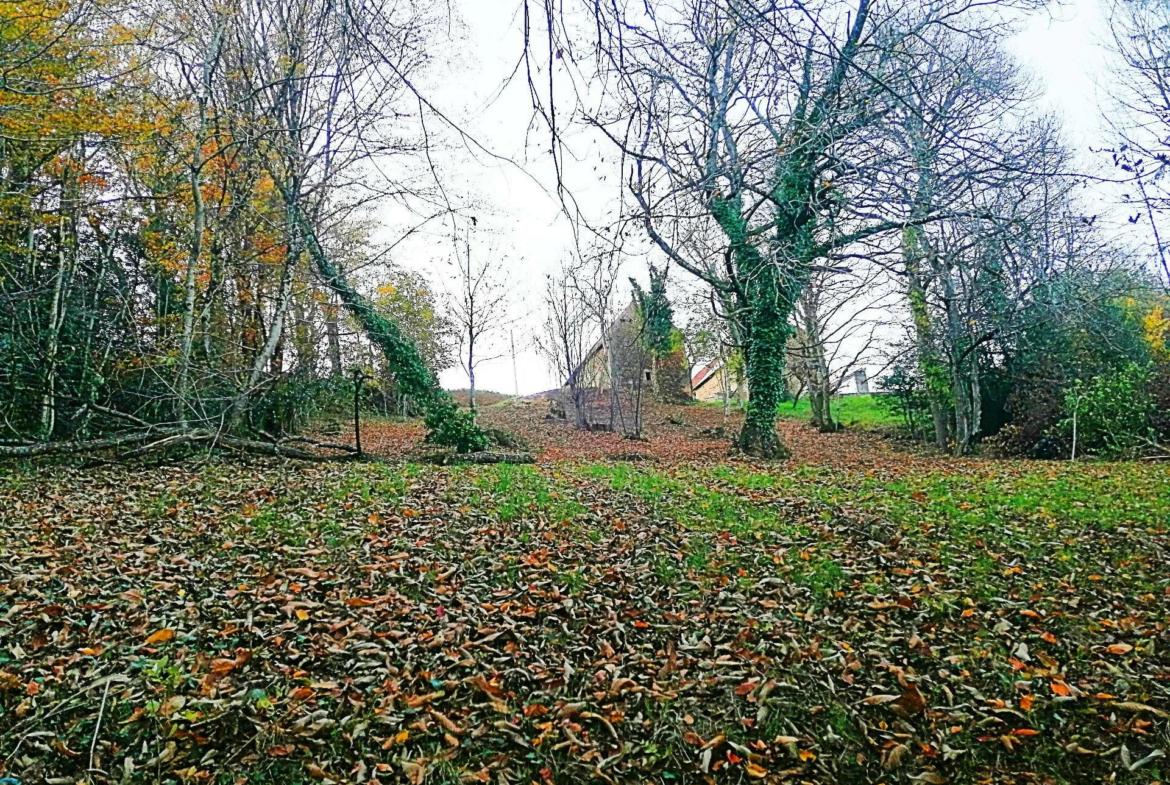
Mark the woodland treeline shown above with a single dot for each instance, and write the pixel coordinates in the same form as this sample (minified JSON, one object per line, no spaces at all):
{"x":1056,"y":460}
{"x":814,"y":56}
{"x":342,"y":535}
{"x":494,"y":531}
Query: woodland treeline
{"x":187,"y":238}
{"x":185,"y":194}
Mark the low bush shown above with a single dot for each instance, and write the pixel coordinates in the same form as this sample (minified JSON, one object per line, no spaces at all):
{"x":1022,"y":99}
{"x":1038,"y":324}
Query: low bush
{"x":1112,"y":415}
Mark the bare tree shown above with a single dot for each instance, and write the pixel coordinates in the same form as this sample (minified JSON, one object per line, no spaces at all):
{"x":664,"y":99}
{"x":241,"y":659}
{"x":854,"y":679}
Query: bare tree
{"x":959,"y":131}
{"x":838,"y":323}
{"x":478,"y":305}
{"x":1139,"y":113}
{"x":565,"y":338}
{"x":594,"y":276}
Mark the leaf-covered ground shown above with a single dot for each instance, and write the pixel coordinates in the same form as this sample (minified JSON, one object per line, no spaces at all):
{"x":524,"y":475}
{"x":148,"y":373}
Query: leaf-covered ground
{"x":863,"y":618}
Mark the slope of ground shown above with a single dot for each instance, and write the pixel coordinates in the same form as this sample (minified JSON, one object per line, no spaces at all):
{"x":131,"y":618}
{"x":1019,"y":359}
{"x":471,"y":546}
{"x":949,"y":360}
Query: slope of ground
{"x":834,"y":619}
{"x":862,"y":411}
{"x":671,"y":433}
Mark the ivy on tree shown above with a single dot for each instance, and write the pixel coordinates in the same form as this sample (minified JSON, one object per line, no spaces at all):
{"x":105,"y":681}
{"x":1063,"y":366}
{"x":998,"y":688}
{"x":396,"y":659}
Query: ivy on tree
{"x":446,"y":423}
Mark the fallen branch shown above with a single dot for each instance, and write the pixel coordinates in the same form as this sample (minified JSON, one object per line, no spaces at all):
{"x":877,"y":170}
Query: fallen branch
{"x":317,"y":443}
{"x":72,"y":447}
{"x":277,"y":450}
{"x":446,"y":459}
{"x":168,"y":438}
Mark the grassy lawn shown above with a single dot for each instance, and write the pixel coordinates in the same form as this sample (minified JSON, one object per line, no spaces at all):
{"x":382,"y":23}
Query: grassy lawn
{"x":567,"y":622}
{"x":849,"y":410}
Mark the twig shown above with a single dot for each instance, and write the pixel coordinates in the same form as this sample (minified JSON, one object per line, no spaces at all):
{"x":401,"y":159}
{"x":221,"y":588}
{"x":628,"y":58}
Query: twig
{"x":98,"y":728}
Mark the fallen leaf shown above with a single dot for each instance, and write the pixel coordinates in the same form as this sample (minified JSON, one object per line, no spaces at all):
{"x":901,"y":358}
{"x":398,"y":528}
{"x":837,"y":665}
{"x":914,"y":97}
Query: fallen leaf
{"x":160,"y":636}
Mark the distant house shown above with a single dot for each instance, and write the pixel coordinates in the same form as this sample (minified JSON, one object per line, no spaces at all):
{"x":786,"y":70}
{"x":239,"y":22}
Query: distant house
{"x":709,"y":382}
{"x":620,"y":351}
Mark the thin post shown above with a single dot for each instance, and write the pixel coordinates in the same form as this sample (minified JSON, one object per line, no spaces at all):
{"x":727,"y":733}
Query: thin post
{"x":358,"y":376}
{"x":515,"y":375}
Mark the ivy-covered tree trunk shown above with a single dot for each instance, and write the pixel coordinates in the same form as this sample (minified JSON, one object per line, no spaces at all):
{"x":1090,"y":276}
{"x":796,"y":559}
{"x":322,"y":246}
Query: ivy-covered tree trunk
{"x":447,"y":425}
{"x":764,"y":358}
{"x":767,"y":301}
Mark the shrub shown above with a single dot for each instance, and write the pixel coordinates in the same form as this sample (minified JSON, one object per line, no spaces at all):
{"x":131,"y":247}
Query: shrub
{"x":1113,"y":414}
{"x":905,"y":397}
{"x":294,"y":400}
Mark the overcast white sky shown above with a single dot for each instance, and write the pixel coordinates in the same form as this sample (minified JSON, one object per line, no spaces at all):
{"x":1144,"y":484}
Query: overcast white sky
{"x":524,"y":221}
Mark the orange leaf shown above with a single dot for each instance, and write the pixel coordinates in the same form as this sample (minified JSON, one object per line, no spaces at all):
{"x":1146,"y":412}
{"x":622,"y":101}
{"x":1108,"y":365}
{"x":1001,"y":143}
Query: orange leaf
{"x":1060,"y":688}
{"x":161,"y":636}
{"x":1119,"y":648}
{"x":360,"y":602}
{"x":746,"y":687}
{"x":1048,"y":637}
{"x":1026,"y":702}
{"x":756,"y":772}
{"x":1025,"y":732}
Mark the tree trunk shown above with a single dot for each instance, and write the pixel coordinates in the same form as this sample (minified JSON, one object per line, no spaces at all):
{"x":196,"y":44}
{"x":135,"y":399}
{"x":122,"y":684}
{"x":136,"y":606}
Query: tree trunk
{"x":764,"y":356}
{"x":195,"y":180}
{"x":333,"y":332}
{"x":725,"y":382}
{"x":276,"y":329}
{"x":816,"y":365}
{"x":471,"y":384}
{"x":929,"y":362}
{"x":955,"y":340}
{"x":53,"y":336}
{"x":766,"y":303}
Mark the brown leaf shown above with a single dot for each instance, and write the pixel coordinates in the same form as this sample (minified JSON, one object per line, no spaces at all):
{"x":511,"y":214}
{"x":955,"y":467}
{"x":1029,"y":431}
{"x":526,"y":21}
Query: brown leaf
{"x":415,"y":771}
{"x":910,"y":703}
{"x":222,"y":667}
{"x":879,"y":700}
{"x":896,"y":756}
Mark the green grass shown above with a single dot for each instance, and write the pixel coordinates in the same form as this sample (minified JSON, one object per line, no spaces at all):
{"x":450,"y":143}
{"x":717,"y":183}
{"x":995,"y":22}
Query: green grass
{"x":857,"y":411}
{"x":849,"y":410}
